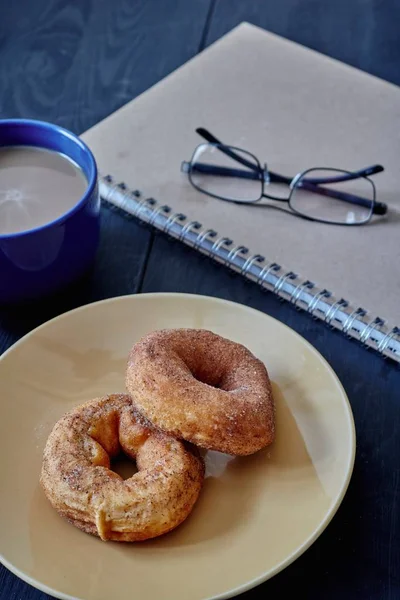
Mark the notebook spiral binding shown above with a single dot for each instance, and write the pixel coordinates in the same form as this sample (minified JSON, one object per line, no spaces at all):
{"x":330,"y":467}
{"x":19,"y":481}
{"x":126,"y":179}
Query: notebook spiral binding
{"x":303,"y":294}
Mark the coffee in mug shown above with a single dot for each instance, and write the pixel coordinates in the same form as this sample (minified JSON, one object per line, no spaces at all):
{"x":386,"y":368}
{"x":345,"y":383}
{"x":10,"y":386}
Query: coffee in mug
{"x":37,"y":186}
{"x":49,"y":209}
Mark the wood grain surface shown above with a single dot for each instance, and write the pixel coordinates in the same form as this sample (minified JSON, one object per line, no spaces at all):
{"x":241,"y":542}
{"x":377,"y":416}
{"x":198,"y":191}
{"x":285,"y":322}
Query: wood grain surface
{"x":75,"y":62}
{"x":362,"y":33}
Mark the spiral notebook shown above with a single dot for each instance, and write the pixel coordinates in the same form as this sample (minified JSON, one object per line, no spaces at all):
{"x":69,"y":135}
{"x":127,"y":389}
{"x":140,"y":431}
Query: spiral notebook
{"x":294,"y":109}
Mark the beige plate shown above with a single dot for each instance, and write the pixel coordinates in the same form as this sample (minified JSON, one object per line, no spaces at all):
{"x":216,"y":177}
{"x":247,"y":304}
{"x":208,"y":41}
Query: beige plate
{"x":255,"y":515}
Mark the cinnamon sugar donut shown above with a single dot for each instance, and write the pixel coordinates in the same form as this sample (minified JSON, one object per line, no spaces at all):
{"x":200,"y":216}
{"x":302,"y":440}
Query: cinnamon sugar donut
{"x":198,"y":386}
{"x":77,"y":479}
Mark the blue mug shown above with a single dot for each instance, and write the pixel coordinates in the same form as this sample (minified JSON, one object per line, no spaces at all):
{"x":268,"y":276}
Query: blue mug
{"x":40,"y":261}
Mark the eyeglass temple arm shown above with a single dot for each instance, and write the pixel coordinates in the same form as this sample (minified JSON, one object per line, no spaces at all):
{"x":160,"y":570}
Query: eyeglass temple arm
{"x":366,"y":172}
{"x":208,"y":169}
{"x":379,"y":207}
{"x":209,"y":137}
{"x":275,"y":177}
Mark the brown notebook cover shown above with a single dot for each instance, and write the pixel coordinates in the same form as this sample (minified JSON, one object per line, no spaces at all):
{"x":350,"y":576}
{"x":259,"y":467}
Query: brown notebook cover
{"x":294,"y":109}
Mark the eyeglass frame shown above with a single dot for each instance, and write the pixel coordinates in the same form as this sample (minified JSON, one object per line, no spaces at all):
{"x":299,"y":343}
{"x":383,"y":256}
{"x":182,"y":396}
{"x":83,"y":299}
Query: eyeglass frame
{"x":265,"y":176}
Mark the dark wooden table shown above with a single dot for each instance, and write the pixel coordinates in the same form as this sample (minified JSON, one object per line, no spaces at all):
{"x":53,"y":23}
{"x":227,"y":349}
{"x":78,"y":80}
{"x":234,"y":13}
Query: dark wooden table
{"x":75,"y":62}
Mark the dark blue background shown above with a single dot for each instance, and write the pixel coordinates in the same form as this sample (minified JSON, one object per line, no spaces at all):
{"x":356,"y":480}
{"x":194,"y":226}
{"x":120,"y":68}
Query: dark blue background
{"x":75,"y":62}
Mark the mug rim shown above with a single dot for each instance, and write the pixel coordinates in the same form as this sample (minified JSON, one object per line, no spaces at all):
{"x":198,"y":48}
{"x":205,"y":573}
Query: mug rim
{"x":92,"y":181}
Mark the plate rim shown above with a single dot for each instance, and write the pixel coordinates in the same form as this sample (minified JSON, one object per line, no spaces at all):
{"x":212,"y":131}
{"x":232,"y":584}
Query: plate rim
{"x":323,"y":524}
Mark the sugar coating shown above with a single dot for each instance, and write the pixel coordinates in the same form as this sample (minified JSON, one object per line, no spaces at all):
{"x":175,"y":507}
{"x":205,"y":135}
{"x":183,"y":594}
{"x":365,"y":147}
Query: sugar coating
{"x":80,"y":485}
{"x":203,"y":388}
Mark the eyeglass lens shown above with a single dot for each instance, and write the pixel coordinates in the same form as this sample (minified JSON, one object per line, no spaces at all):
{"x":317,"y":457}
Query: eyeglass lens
{"x":217,"y":174}
{"x":345,"y":202}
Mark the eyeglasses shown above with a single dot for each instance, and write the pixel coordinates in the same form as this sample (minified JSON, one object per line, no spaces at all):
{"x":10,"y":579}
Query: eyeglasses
{"x":325,"y":195}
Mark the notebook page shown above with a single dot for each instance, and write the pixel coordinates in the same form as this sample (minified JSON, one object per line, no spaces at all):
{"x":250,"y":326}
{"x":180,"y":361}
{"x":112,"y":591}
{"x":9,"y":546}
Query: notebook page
{"x":294,"y":109}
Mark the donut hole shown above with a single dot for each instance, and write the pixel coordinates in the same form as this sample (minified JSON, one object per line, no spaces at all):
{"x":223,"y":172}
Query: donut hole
{"x":207,"y":376}
{"x":225,"y":380}
{"x":124,"y":466}
{"x":212,"y":369}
